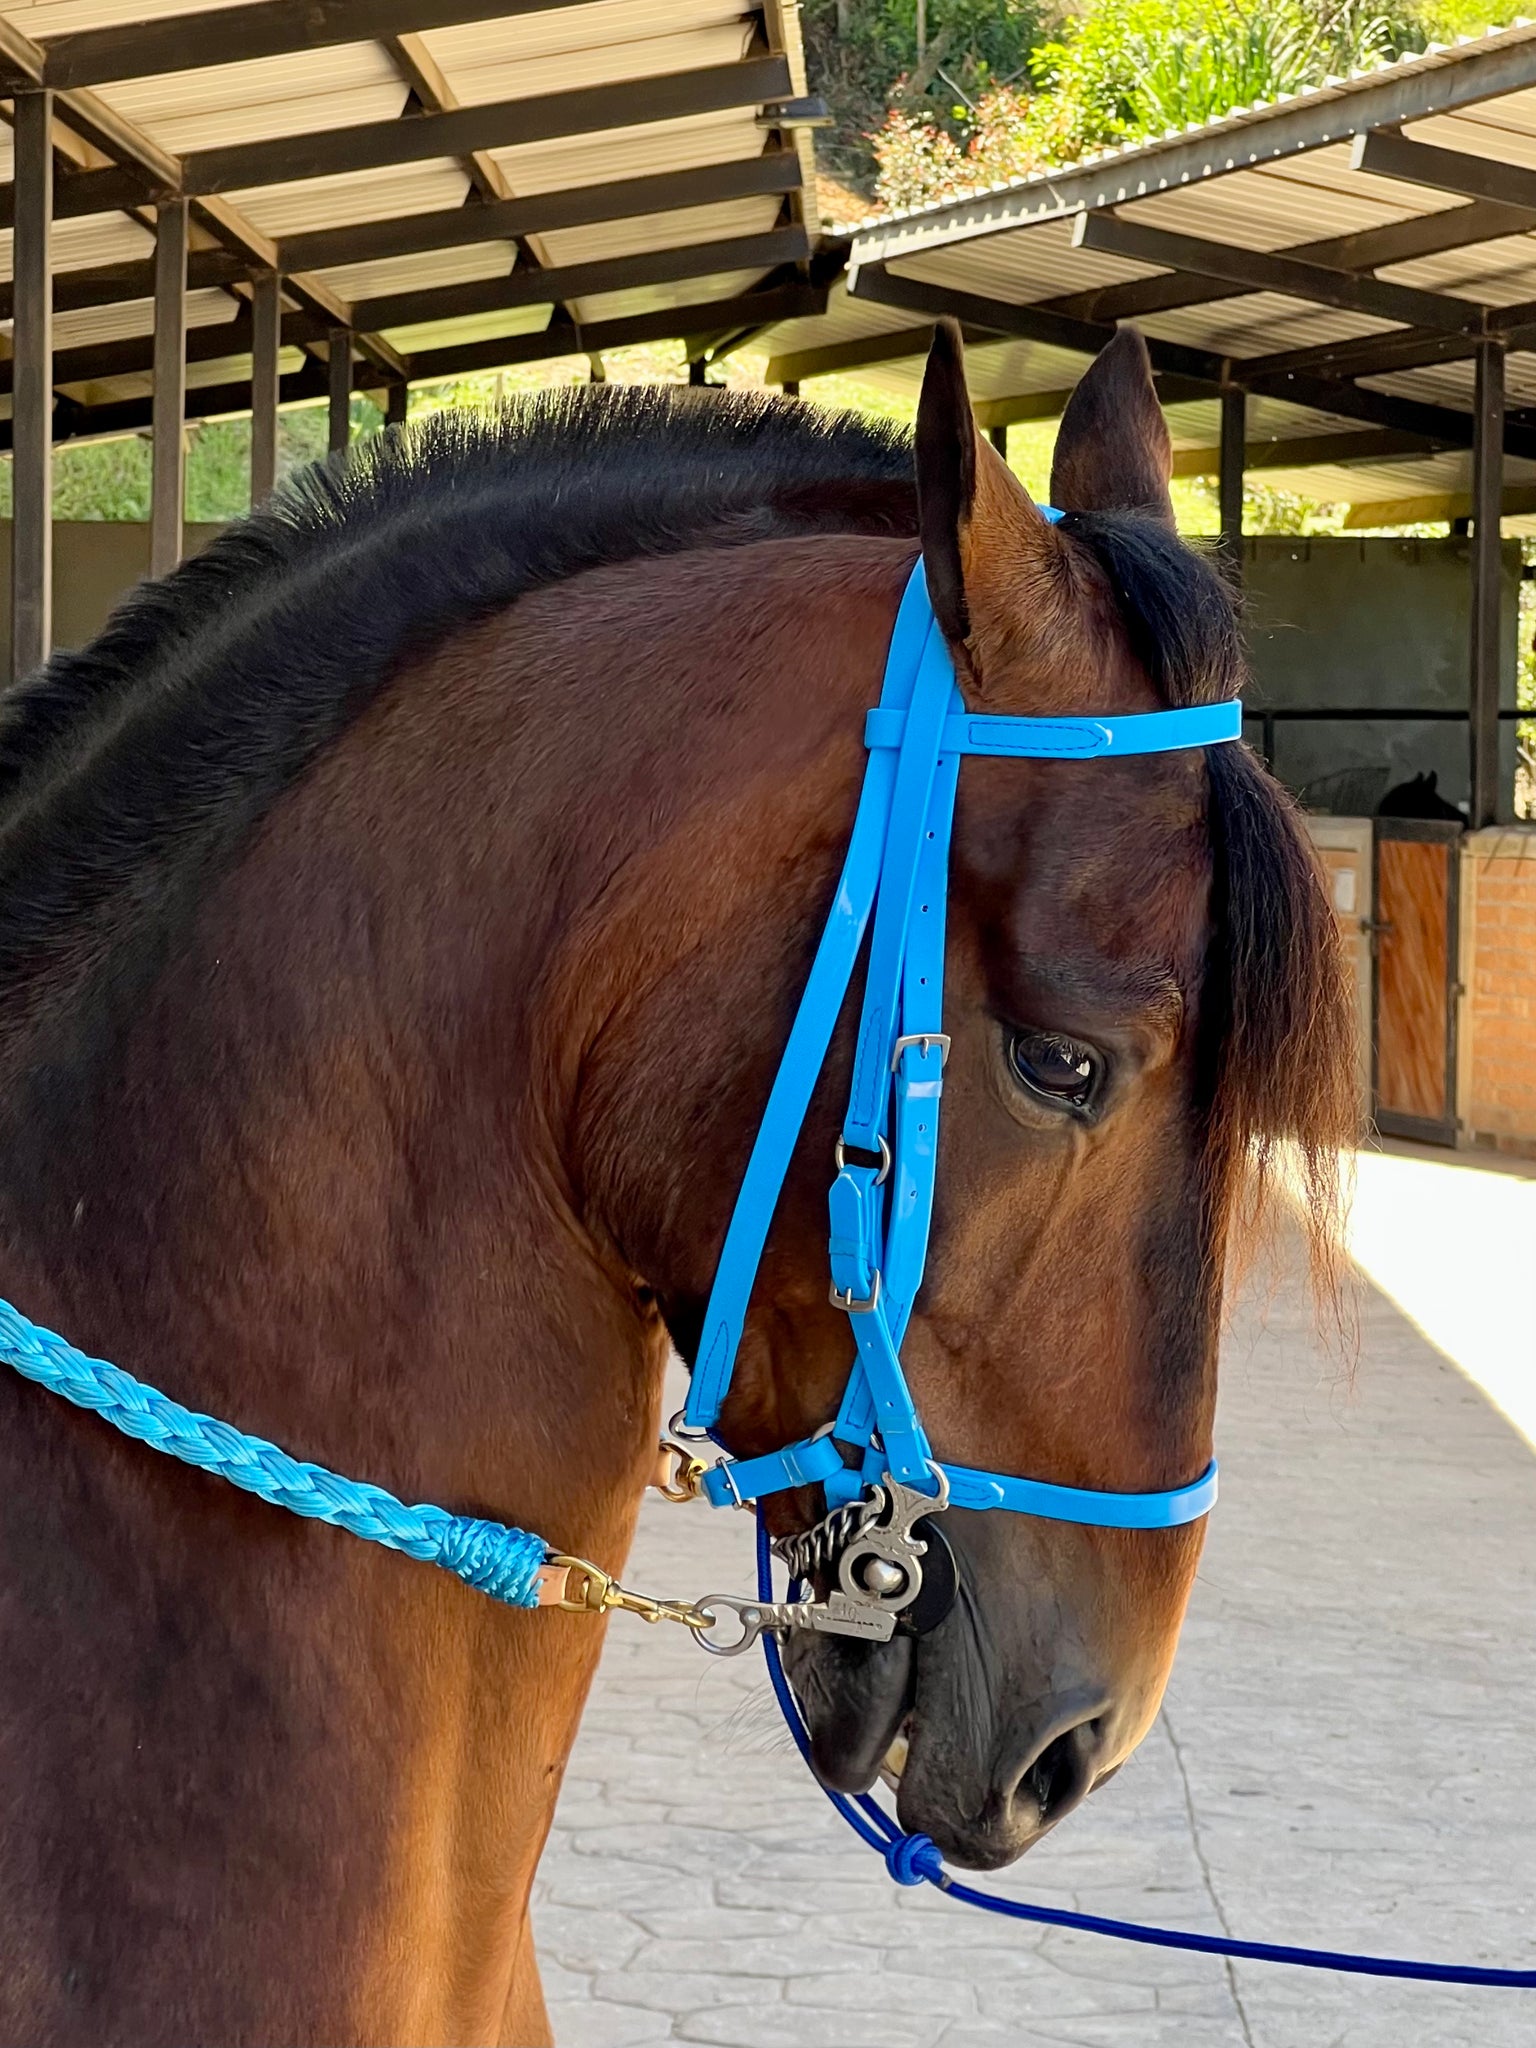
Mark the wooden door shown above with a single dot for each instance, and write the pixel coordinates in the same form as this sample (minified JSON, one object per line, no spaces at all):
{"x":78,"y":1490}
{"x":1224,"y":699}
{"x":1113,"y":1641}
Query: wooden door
{"x":1415,"y":937}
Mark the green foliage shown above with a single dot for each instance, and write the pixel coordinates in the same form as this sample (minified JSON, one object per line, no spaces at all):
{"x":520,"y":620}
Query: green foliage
{"x":864,"y":56}
{"x":1139,"y":68}
{"x":1128,"y":70}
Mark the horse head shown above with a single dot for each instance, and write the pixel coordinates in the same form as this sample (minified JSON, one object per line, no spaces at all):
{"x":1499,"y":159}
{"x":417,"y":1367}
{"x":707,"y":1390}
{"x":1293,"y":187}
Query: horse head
{"x":1143,"y":1000}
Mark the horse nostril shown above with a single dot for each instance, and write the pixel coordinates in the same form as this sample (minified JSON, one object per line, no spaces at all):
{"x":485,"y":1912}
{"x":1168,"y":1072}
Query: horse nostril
{"x":1061,"y":1774}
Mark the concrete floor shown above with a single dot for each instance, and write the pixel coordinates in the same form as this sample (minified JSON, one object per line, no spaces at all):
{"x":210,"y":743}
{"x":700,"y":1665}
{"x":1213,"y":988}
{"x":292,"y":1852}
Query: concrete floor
{"x":1345,"y":1757}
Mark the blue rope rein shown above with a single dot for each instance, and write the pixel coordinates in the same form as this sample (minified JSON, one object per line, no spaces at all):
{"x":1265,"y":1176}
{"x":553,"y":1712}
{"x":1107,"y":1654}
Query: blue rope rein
{"x":915,"y":1859}
{"x":489,"y":1556}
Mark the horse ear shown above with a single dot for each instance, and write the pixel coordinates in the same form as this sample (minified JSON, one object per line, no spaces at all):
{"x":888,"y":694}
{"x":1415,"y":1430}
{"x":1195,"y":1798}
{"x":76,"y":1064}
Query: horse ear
{"x":984,"y":540}
{"x":1112,"y":448}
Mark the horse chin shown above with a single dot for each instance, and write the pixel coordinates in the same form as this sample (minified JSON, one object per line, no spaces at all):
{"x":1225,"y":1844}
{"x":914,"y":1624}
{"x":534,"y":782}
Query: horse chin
{"x":855,"y":1697}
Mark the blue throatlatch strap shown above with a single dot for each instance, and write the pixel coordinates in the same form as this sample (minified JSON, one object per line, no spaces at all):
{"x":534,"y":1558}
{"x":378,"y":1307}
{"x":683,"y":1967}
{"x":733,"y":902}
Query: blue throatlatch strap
{"x":881,"y":1201}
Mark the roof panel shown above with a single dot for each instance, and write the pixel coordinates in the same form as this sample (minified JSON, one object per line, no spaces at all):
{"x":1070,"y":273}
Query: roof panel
{"x":684,"y":229}
{"x":423,"y":272}
{"x":130,"y":317}
{"x":64,"y":17}
{"x":1023,"y":267}
{"x":82,"y":244}
{"x":654,"y":298}
{"x":521,"y":78}
{"x":384,"y":194}
{"x":430,"y":334}
{"x":298,"y":94}
{"x":599,"y":159}
{"x":609,"y":25}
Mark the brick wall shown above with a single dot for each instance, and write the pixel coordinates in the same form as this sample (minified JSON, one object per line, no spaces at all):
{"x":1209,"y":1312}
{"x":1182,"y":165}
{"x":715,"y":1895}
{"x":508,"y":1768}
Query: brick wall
{"x":1497,"y":1082}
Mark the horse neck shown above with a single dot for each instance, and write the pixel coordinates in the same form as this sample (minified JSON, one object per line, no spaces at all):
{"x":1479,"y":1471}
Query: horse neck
{"x":347,"y":1192}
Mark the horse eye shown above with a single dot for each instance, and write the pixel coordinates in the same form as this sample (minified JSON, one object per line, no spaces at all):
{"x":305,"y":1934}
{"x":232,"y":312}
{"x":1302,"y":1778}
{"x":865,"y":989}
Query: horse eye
{"x":1059,"y":1070}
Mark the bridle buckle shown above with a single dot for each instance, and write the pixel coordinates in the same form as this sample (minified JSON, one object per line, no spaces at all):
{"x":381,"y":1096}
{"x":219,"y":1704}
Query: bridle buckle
{"x":845,"y":1298}
{"x":924,"y":1039}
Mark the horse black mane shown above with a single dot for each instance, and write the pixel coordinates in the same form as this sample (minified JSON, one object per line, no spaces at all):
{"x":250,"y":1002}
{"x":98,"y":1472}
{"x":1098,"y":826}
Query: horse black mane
{"x":133,"y":770}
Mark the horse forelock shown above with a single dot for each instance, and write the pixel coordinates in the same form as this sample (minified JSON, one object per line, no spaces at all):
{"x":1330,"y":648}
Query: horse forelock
{"x":1277,"y":1040}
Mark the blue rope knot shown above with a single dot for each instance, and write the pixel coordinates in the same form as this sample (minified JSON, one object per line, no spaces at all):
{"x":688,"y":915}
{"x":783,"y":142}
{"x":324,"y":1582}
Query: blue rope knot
{"x":914,"y":1859}
{"x":493,"y":1558}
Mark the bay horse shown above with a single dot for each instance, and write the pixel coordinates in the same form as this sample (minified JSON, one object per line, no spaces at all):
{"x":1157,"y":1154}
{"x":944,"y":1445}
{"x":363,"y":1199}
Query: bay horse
{"x":402,"y":907}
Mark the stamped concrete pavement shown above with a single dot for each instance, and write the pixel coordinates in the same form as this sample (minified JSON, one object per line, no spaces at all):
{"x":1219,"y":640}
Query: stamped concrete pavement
{"x":1345,"y":1758}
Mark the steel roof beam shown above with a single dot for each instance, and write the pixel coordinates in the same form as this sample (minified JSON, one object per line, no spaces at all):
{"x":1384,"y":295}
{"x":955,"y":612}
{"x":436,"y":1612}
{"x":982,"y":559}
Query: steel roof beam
{"x":114,"y":284}
{"x":103,"y":361}
{"x":1380,"y":355}
{"x":775,"y":171}
{"x":78,"y":193}
{"x":534,"y":287}
{"x":1030,"y":323}
{"x":1197,"y":366}
{"x":1310,"y":451}
{"x":1402,"y":241}
{"x":1408,"y":91}
{"x":75,"y":422}
{"x":237,"y":35}
{"x":505,"y":124}
{"x":1519,"y":502}
{"x":752,"y":309}
{"x":1388,"y":155}
{"x":1256,"y":270}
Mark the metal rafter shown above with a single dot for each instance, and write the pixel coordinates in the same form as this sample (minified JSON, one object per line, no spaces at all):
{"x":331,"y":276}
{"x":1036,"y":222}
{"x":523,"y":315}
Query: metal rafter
{"x":1037,"y":323}
{"x":775,"y":171}
{"x":757,"y":308}
{"x":1386,"y":154}
{"x":1367,"y":249}
{"x":1371,"y":444}
{"x":424,"y":75}
{"x":1256,"y":270}
{"x":534,"y":287}
{"x":271,"y":28}
{"x":370,"y":145}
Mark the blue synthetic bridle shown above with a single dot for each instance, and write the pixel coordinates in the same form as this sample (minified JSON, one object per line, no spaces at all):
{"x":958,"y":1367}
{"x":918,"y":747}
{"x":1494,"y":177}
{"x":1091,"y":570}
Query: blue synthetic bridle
{"x":895,"y":870}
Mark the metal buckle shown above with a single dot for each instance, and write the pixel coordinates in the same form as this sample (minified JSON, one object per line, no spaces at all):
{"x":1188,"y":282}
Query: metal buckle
{"x":846,"y":1301}
{"x":924,"y":1039}
{"x":839,"y":1158}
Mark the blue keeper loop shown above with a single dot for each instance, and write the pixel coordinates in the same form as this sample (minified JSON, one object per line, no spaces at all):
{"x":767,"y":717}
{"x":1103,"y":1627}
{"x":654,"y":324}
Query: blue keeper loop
{"x":1071,"y":739}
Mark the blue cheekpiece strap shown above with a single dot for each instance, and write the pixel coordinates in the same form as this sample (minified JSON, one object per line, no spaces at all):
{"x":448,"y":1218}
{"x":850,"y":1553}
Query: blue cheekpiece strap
{"x":881,"y":1203}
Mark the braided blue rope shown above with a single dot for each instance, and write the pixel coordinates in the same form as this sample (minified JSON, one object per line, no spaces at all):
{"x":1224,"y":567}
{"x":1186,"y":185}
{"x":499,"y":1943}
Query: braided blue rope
{"x":489,"y":1556}
{"x":915,"y":1859}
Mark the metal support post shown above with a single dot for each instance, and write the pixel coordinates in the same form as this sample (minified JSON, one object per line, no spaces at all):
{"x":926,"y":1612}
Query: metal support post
{"x":32,"y":386}
{"x":396,"y":404}
{"x":340,"y":405}
{"x":998,"y":436}
{"x":266,"y":339}
{"x":167,"y":429}
{"x":1233,"y":458}
{"x":1487,"y":509}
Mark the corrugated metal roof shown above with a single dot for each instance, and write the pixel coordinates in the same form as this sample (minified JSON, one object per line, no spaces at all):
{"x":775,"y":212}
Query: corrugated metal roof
{"x":526,"y":104}
{"x":1319,"y":348}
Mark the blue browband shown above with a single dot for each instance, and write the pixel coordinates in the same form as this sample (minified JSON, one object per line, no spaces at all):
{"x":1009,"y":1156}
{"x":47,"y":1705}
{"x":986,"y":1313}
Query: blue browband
{"x":897,"y":869}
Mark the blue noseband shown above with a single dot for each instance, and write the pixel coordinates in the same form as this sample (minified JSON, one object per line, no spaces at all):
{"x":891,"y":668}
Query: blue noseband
{"x":881,"y":1210}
